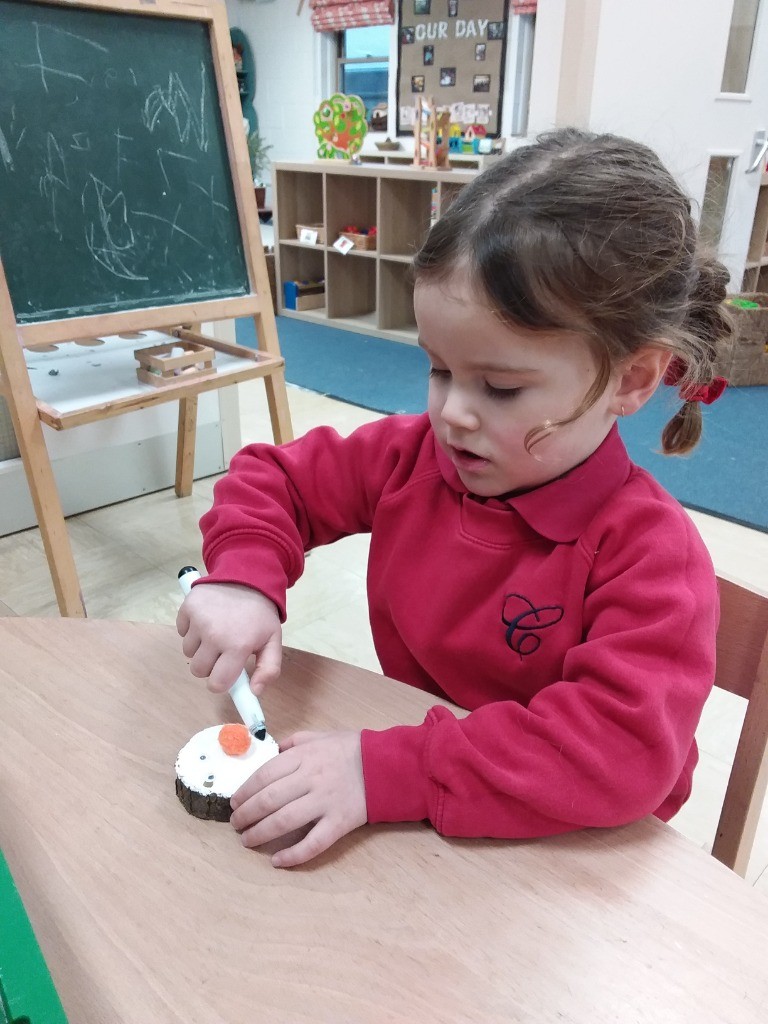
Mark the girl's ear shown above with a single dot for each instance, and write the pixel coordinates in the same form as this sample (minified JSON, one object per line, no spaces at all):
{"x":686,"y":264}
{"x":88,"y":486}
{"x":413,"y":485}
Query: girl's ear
{"x":638,"y":377}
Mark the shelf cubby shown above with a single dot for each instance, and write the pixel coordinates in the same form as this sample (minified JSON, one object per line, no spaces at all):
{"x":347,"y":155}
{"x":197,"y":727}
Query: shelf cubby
{"x":404,"y":215}
{"x":348,"y":201}
{"x":395,"y":304}
{"x":301,"y":201}
{"x":300,"y":263}
{"x":350,"y":286}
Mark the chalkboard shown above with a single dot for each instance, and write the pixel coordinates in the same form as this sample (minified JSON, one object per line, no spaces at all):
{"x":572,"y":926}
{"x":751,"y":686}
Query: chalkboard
{"x":115,"y":185}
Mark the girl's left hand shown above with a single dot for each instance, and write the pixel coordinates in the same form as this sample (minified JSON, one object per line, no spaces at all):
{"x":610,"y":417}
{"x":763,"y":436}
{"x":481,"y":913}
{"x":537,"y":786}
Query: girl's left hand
{"x":317,"y":777}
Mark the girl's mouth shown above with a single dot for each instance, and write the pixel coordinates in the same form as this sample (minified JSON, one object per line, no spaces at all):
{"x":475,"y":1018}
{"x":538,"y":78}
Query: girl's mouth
{"x":467,"y":460}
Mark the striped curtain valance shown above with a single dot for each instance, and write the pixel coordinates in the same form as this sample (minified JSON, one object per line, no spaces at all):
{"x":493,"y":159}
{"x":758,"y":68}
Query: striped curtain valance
{"x":338,"y":15}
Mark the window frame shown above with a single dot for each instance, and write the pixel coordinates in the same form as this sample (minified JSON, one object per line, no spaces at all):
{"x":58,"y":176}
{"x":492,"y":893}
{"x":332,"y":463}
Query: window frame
{"x":342,"y":60}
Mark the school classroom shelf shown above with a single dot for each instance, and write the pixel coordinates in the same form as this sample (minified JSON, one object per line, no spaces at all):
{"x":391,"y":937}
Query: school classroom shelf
{"x":366,"y":290}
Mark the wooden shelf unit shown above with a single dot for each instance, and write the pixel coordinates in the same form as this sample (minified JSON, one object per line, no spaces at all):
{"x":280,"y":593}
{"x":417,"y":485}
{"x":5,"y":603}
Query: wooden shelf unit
{"x":756,"y":266}
{"x":366,"y":291}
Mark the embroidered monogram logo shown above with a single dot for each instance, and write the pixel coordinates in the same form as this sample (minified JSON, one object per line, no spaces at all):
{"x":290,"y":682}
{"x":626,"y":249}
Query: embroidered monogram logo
{"x":524,"y":623}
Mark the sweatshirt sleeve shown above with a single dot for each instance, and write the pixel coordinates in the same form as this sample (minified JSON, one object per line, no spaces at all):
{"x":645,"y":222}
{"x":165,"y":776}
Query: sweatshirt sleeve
{"x":605,"y":745}
{"x":276,"y":502}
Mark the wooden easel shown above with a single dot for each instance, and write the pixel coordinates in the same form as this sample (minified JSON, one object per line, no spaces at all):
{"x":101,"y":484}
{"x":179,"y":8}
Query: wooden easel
{"x":28,"y":413}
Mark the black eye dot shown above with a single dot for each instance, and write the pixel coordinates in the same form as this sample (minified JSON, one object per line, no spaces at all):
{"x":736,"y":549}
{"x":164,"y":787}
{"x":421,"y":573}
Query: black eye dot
{"x":202,"y":757}
{"x":210,"y":776}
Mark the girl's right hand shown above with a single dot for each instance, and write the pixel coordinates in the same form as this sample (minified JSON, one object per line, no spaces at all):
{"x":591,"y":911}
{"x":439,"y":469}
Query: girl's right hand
{"x":222,"y":625}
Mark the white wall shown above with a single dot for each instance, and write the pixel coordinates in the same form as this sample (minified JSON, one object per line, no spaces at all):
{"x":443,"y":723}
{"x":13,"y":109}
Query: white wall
{"x":288,"y":57}
{"x":658,"y":86}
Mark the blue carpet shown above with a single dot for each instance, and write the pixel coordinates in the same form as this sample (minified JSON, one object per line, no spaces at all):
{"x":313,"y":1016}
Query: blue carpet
{"x":727,"y":475}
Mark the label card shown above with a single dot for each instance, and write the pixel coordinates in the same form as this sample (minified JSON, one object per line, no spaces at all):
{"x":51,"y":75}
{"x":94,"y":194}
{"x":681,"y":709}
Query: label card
{"x":343,"y":245}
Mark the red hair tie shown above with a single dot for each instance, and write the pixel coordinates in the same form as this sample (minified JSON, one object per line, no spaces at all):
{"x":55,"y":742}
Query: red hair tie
{"x":706,"y":393}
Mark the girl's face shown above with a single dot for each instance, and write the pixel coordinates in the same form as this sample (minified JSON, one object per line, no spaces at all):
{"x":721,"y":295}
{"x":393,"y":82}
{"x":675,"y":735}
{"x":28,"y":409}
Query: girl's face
{"x":491,"y":384}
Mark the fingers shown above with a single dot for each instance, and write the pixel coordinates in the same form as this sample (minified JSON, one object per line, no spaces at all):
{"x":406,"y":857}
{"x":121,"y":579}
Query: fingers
{"x":316,"y":780}
{"x":289,"y":818}
{"x":224,"y":670}
{"x":297,"y":739}
{"x":222,"y":625}
{"x":285,"y":819}
{"x":269,"y":662}
{"x":182,"y":621}
{"x":317,"y":841}
{"x":190,"y":644}
{"x":273,"y":771}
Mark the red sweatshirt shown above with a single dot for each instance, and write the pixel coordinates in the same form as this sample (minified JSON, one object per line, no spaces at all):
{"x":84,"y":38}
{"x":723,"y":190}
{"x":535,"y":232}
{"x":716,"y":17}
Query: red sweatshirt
{"x":575,"y":622}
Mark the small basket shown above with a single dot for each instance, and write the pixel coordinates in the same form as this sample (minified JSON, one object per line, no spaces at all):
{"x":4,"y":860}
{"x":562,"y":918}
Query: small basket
{"x":319,"y":228}
{"x":367,"y":242}
{"x":743,"y":359}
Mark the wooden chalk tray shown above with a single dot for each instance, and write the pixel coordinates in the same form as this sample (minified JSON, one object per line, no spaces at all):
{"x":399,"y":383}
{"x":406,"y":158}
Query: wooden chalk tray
{"x":76,"y":384}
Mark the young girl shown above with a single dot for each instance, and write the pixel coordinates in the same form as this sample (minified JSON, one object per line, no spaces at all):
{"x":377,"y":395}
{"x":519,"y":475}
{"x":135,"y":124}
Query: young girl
{"x":520,"y":564}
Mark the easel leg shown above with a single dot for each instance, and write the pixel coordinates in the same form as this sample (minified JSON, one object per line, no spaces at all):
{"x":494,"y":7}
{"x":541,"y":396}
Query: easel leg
{"x":185,"y":446}
{"x":17,"y":391}
{"x":277,"y":396}
{"x":50,"y":518}
{"x":279,"y":413}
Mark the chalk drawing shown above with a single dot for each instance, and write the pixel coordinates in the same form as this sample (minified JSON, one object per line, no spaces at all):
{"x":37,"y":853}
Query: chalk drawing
{"x":108,"y":235}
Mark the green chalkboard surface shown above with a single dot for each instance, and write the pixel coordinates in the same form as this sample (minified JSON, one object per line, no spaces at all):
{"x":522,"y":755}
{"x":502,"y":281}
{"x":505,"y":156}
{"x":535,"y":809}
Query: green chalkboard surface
{"x":115,"y":185}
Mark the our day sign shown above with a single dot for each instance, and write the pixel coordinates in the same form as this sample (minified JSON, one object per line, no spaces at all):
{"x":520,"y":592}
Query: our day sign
{"x":454,"y":52}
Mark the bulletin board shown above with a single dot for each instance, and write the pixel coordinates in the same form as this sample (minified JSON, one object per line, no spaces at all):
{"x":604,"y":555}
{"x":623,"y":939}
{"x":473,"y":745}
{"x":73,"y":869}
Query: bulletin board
{"x":453,"y":51}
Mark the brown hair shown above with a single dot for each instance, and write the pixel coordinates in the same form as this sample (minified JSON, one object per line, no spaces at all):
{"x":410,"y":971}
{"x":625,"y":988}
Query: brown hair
{"x":591,"y":233}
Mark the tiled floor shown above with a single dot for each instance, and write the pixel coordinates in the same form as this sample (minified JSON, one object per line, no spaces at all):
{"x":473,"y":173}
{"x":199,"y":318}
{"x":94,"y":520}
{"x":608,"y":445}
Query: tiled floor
{"x":128,"y":556}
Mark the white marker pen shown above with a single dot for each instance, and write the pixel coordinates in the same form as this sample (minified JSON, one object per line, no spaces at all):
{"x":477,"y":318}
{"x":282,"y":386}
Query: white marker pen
{"x":245,"y":700}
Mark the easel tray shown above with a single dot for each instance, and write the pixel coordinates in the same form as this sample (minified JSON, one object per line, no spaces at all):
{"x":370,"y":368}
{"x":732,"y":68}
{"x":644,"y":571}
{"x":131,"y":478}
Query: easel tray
{"x":80,"y":383}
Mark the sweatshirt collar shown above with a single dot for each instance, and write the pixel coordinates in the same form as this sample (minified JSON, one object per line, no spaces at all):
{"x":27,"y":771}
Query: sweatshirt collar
{"x":563,"y":508}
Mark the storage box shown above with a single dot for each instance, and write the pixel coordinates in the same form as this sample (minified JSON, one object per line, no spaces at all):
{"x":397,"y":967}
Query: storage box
{"x":177,"y":361}
{"x":319,"y":228}
{"x":743,"y":360}
{"x":360,"y":241}
{"x":300,"y":295}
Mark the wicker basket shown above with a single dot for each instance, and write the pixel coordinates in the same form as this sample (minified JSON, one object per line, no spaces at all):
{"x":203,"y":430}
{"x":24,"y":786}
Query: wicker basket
{"x":360,"y":241}
{"x":743,"y":359}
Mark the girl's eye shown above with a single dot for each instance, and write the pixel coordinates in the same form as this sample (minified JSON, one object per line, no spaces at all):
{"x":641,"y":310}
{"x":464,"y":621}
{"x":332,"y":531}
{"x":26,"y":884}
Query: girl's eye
{"x":501,"y":393}
{"x":439,"y":374}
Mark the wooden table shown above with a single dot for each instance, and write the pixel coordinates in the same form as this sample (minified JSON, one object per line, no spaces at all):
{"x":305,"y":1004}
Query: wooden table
{"x":146,"y":914}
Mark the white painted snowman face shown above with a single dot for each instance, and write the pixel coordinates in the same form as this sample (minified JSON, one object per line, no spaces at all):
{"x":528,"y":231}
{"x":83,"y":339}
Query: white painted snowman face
{"x":204,"y":766}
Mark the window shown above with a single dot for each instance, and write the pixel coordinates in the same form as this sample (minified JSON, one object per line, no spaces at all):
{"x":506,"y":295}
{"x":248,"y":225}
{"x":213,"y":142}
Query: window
{"x":715,"y":199}
{"x":363,"y":70}
{"x":740,"y":40}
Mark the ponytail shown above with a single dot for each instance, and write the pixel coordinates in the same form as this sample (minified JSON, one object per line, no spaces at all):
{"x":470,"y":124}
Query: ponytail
{"x":705,"y":329}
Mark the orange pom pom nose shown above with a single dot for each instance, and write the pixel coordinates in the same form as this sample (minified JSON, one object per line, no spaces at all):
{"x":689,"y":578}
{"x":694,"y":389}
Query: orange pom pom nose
{"x":234,"y":739}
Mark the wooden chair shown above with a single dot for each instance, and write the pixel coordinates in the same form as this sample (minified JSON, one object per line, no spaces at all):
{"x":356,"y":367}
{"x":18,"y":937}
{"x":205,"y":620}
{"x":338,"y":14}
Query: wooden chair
{"x":742,"y":668}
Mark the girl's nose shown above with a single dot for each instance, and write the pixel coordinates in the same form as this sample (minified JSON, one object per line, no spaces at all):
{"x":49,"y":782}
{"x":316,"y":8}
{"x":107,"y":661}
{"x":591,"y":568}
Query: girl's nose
{"x":457,"y":410}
